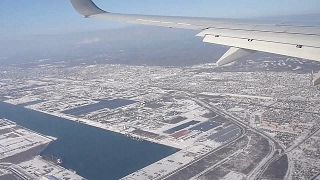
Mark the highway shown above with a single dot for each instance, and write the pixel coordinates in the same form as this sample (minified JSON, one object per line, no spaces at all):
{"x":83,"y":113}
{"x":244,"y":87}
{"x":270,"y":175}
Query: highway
{"x":290,"y":167}
{"x":243,"y":131}
{"x":262,"y":166}
{"x":316,"y":177}
{"x":224,"y":160}
{"x":258,"y":170}
{"x":289,"y":154}
{"x":217,"y":164}
{"x":200,"y":158}
{"x":302,"y":141}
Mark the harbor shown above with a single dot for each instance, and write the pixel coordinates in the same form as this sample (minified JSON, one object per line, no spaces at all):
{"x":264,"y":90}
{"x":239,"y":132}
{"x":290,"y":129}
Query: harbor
{"x":88,"y":150}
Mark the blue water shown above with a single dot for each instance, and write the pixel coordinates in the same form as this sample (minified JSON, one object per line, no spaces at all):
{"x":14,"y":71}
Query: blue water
{"x":94,"y":153}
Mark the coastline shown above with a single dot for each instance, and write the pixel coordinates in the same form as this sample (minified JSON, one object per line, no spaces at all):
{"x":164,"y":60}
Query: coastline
{"x":104,"y":127}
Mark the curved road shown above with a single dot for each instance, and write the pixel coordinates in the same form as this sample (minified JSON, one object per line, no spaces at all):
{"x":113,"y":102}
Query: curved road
{"x":262,"y":166}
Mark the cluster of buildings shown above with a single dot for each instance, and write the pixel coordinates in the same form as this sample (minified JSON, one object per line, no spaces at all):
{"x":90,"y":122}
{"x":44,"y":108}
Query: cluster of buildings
{"x":306,"y":159}
{"x":157,"y":104}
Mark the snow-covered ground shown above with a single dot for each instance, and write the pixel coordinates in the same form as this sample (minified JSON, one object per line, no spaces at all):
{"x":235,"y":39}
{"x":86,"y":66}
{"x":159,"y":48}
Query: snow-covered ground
{"x":38,"y":168}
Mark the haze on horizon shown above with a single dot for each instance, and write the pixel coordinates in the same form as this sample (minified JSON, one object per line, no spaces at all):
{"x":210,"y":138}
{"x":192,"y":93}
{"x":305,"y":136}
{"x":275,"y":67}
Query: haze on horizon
{"x":47,"y":27}
{"x":56,"y":17}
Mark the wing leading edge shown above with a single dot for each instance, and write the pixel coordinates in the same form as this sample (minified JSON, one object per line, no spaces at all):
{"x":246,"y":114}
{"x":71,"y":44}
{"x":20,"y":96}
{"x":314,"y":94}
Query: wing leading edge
{"x":243,"y":38}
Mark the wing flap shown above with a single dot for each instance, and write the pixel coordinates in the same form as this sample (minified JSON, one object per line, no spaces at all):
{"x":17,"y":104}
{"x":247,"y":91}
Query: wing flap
{"x":284,"y":38}
{"x":265,"y":46}
{"x":304,"y":30}
{"x":268,"y":28}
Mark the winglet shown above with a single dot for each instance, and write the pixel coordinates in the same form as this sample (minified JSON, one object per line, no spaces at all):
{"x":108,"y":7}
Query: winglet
{"x":86,"y":7}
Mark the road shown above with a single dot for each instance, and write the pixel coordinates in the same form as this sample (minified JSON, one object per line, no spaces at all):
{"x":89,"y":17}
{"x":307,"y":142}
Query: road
{"x":290,"y":157}
{"x":290,"y":167}
{"x":262,"y":166}
{"x":200,"y":158}
{"x":259,"y":169}
{"x":224,"y":160}
{"x":302,"y":141}
{"x":243,"y":130}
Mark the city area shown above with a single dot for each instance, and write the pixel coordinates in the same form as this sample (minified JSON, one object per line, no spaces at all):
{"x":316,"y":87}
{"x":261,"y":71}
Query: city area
{"x":227,"y":124}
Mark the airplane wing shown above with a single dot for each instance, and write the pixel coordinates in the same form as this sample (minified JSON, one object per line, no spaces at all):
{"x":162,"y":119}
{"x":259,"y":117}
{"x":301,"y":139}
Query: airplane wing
{"x":244,"y":38}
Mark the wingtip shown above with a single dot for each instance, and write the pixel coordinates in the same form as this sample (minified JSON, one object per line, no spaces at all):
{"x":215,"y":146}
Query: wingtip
{"x":86,"y":8}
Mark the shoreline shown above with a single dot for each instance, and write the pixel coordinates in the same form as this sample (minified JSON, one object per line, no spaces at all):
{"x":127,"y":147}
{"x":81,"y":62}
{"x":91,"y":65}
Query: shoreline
{"x":104,"y":127}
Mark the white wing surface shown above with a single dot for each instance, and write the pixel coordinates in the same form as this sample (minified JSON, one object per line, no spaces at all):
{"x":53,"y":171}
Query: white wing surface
{"x":244,"y":38}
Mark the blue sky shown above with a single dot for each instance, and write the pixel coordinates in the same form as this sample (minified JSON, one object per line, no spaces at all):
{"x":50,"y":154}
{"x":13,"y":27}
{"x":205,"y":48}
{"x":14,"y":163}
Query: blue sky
{"x":24,"y":17}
